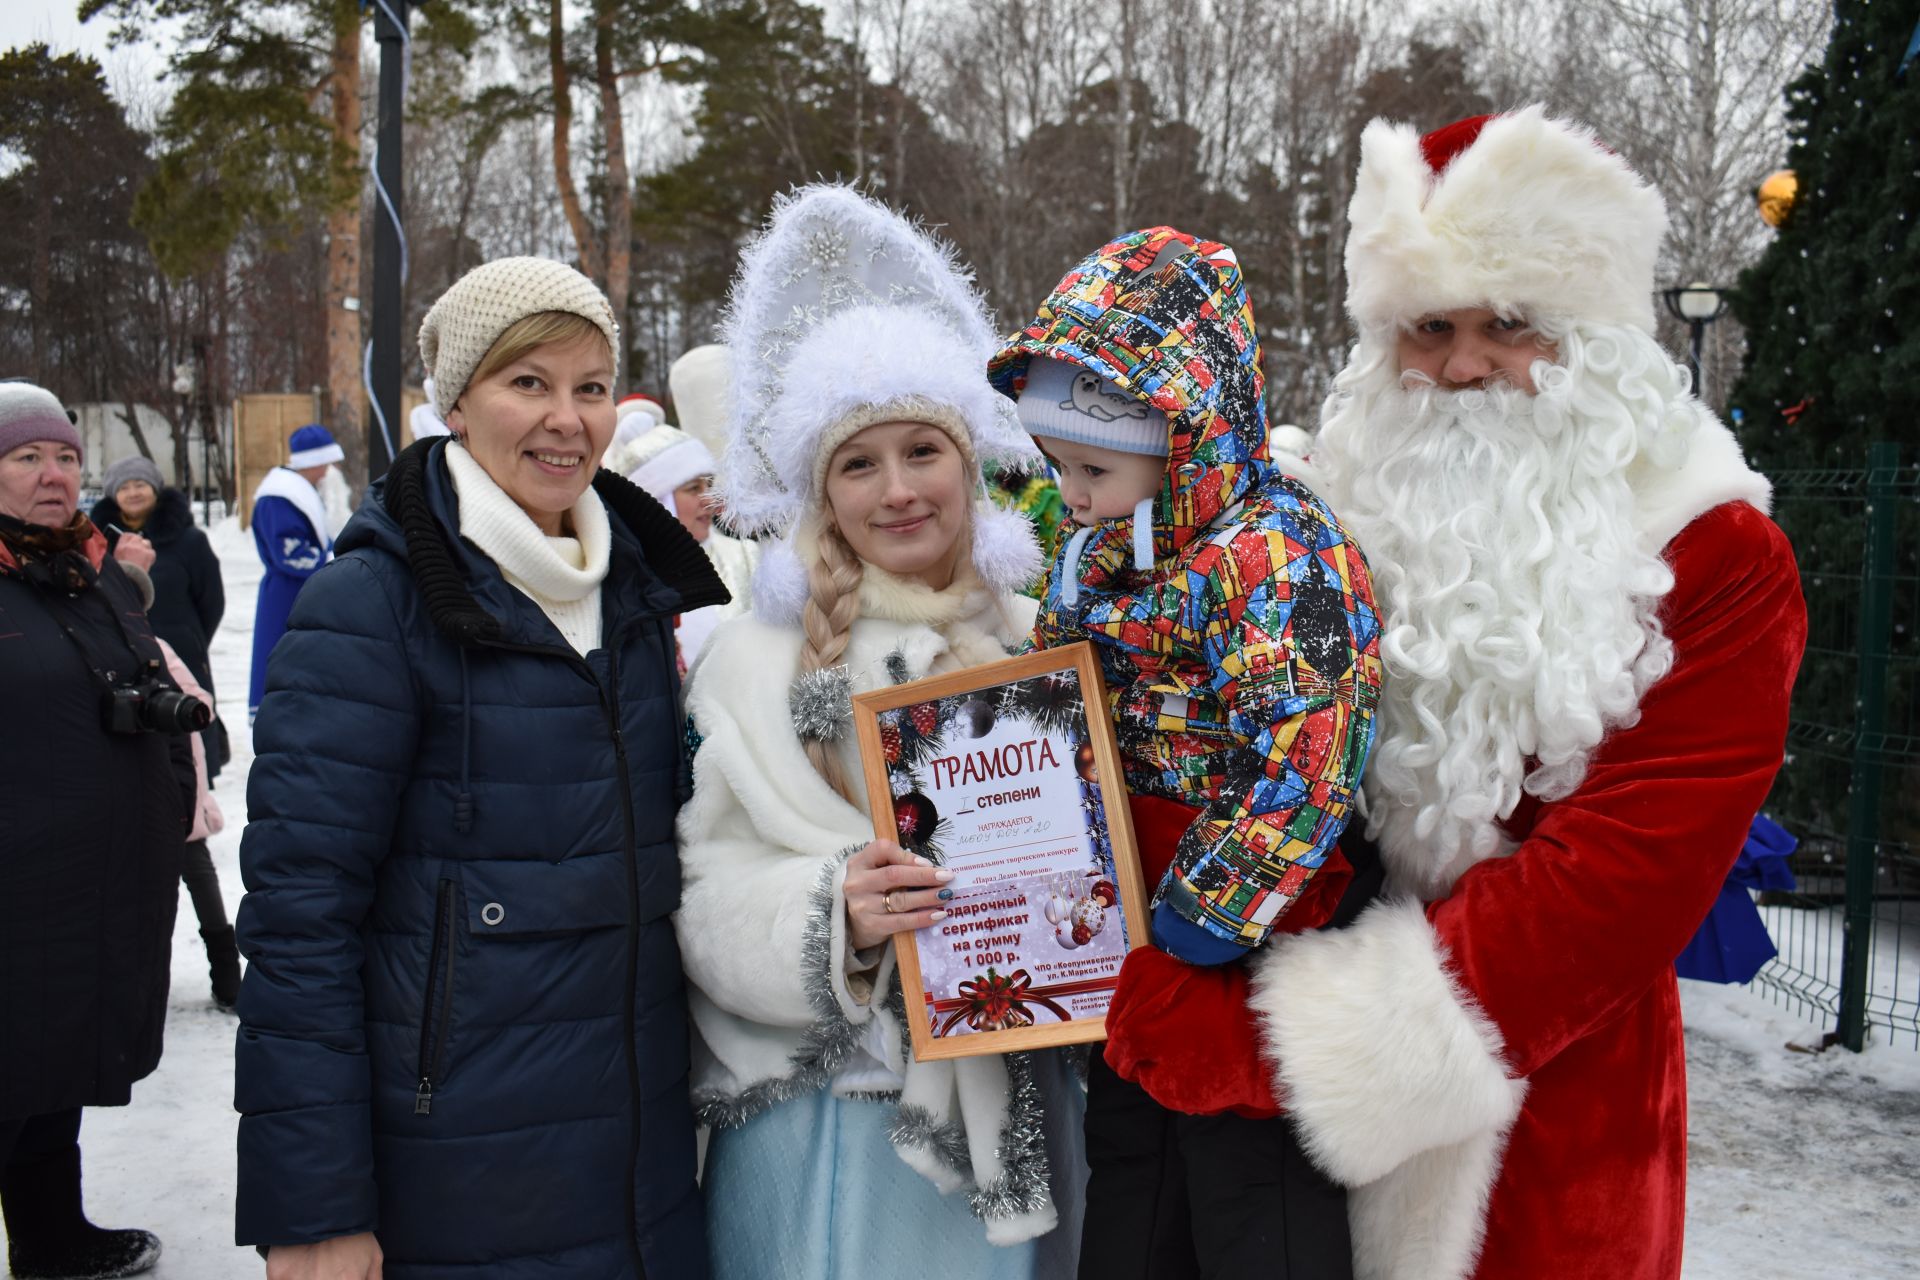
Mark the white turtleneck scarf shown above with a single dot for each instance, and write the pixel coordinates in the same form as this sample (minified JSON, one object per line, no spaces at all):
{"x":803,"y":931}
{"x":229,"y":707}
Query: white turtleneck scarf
{"x":561,"y":575}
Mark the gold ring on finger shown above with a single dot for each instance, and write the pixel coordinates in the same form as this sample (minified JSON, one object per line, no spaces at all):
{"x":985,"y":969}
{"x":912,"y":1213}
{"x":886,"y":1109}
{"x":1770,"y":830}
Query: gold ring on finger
{"x":887,"y":899}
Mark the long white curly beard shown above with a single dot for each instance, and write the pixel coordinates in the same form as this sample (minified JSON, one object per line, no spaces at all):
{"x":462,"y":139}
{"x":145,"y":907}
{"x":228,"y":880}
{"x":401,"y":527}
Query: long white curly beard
{"x":1519,"y":610}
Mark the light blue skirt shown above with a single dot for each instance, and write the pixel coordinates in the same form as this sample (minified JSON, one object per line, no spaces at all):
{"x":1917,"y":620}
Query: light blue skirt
{"x":812,"y":1189}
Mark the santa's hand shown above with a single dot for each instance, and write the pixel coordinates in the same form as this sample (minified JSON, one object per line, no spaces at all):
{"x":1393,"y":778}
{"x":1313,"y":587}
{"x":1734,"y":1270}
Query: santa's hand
{"x":1186,"y":1036}
{"x":134,"y":550}
{"x":889,"y":890}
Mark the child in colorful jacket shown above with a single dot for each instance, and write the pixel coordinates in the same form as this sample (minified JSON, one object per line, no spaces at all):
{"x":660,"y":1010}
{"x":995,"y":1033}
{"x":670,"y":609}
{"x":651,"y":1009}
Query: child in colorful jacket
{"x":1235,"y":626}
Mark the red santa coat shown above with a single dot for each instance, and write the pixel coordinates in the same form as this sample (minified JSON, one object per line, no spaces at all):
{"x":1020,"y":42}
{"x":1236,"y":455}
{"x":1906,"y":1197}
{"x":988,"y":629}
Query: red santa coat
{"x":1498,"y":1075}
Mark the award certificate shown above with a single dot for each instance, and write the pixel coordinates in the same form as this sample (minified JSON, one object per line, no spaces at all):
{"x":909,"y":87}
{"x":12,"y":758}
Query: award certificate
{"x":1007,"y":774}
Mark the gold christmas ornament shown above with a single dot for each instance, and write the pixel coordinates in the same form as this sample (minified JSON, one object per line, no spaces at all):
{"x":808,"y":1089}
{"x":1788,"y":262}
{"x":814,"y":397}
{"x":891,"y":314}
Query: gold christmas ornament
{"x":1775,"y":196}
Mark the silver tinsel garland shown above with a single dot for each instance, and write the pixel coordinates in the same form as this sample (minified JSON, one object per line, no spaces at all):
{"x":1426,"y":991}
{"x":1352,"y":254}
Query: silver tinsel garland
{"x":821,"y":703}
{"x":829,"y":1042}
{"x":1022,"y":1185}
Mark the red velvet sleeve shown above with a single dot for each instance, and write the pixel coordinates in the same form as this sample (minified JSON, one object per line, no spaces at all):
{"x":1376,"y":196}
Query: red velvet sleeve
{"x":1610,"y":882}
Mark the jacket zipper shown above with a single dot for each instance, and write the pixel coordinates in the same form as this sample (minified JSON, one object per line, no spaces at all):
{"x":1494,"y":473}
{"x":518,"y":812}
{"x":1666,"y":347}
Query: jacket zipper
{"x":632,"y":853}
{"x":610,"y":703}
{"x":434,"y":1019}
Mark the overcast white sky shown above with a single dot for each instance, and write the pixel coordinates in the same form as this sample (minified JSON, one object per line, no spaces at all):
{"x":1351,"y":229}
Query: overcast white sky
{"x":132,"y":73}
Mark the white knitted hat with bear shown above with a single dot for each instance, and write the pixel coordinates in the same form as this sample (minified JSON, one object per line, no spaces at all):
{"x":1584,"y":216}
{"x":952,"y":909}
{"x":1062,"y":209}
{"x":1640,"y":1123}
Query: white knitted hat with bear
{"x":484,"y":303}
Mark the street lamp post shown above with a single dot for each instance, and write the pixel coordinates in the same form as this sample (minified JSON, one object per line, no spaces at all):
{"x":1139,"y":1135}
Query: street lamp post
{"x":389,"y":240}
{"x":1699,"y":304}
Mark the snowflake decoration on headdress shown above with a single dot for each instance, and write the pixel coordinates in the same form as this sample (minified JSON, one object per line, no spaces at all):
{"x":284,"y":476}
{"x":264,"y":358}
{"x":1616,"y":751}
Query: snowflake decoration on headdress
{"x":841,"y":303}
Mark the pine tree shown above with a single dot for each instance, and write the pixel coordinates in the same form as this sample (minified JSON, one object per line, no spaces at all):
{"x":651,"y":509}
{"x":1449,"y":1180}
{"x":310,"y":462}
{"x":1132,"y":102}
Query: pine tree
{"x":1832,"y":309}
{"x":1833,"y":357}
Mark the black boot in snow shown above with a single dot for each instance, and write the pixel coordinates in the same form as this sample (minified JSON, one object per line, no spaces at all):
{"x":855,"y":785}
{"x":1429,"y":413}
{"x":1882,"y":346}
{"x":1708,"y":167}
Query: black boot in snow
{"x":49,"y":1237}
{"x":223,"y":965}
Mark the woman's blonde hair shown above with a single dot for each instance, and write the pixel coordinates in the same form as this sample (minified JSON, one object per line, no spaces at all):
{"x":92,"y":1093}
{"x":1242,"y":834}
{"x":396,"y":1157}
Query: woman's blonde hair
{"x":826,"y":622}
{"x":833,"y":602}
{"x":531,"y":332}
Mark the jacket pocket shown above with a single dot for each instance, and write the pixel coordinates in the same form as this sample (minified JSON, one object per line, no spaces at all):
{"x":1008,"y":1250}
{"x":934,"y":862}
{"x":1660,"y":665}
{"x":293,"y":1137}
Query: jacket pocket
{"x":437,"y":1006}
{"x":528,"y":898}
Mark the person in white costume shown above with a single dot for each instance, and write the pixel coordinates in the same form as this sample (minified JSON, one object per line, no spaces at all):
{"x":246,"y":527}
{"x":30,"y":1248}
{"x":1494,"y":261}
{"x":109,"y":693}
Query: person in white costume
{"x":858,"y":432}
{"x":678,"y":471}
{"x":636,"y":415}
{"x":700,"y":382}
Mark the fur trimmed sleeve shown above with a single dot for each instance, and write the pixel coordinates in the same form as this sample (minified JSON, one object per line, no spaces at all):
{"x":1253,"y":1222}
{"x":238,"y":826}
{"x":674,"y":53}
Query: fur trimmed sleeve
{"x":763,"y":848}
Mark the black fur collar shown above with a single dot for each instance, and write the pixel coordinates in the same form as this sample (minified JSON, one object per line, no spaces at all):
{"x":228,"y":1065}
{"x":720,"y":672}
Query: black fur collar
{"x":670,"y":551}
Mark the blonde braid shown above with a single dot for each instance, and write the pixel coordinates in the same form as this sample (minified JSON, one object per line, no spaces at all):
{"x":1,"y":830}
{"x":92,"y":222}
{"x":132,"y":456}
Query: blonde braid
{"x":833,"y":602}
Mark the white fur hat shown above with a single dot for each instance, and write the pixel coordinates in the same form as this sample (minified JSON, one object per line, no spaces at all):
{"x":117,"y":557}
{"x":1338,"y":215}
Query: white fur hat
{"x":663,"y":459}
{"x":469,"y":318}
{"x":845,"y":314}
{"x":843,"y":307}
{"x":1517,"y":212}
{"x":702,"y":383}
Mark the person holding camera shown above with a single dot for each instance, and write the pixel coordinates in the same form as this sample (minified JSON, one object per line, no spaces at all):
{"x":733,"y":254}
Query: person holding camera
{"x":149,"y":526}
{"x":96,"y":795}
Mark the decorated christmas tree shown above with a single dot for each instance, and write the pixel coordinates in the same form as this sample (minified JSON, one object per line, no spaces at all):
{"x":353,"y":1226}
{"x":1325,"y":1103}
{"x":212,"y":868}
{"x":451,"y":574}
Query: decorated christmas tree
{"x":1832,"y":369}
{"x":1831,"y":308}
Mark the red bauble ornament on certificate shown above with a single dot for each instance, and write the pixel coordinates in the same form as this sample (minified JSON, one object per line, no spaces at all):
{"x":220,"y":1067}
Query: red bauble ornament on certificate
{"x":1085,"y":765}
{"x":914,"y":817}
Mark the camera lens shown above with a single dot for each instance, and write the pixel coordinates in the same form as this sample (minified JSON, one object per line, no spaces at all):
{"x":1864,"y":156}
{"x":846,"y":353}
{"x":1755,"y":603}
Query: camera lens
{"x":169,"y":711}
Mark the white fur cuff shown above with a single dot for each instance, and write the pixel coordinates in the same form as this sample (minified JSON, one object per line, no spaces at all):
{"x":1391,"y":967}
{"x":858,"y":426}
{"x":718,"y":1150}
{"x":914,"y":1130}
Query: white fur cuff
{"x":1380,"y":1055}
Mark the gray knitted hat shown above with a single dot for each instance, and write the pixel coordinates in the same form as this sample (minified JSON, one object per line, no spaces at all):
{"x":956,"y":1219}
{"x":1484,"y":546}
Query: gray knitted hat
{"x":134,"y":468}
{"x":29,"y":413}
{"x":484,"y":303}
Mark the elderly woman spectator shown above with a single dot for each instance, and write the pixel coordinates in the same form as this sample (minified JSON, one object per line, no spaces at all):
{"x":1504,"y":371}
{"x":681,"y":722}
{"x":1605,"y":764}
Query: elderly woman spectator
{"x":188,"y":601}
{"x":96,"y":785}
{"x":463,"y":1043}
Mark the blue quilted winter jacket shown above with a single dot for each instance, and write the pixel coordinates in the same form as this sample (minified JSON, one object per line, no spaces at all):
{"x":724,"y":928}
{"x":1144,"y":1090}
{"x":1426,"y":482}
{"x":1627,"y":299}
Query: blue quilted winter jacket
{"x":464,"y":1025}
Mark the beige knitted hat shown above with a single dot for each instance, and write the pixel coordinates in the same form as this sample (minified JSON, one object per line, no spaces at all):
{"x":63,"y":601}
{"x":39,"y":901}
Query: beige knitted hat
{"x":484,"y":303}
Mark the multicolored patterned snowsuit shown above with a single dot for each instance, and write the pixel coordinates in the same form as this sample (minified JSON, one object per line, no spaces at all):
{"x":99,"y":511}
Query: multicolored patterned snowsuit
{"x":1243,"y":669}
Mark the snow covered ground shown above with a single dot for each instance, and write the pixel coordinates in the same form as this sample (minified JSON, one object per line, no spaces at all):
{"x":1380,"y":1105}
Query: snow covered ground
{"x":1802,"y":1164}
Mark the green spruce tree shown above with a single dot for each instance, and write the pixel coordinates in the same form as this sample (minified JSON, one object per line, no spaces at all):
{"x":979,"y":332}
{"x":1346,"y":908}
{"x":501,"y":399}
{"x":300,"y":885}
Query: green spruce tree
{"x":1832,"y":313}
{"x":1832,"y":308}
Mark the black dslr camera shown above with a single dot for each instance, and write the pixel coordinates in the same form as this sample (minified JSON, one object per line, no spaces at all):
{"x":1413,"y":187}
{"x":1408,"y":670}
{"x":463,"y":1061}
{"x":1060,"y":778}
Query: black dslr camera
{"x":152,"y":707}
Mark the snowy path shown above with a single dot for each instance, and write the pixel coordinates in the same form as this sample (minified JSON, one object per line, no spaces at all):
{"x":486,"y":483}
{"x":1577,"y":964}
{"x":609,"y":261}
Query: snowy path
{"x":1802,"y":1164}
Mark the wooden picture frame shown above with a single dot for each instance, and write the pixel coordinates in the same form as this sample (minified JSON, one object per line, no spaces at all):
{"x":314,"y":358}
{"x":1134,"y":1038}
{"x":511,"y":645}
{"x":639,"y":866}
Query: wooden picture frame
{"x":1047,"y":894}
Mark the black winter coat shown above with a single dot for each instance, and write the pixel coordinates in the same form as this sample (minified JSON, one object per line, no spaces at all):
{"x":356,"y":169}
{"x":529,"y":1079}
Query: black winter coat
{"x":92,"y":825}
{"x":464,"y":1024}
{"x":188,"y":596}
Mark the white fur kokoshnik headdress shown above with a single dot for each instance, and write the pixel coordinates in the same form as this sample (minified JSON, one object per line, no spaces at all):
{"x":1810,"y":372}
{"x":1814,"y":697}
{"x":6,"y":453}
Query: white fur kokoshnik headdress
{"x":845,"y":314}
{"x":1519,"y":212}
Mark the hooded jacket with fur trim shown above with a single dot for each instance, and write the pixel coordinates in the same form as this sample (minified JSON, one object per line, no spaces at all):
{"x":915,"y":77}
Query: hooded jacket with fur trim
{"x":1243,"y":667}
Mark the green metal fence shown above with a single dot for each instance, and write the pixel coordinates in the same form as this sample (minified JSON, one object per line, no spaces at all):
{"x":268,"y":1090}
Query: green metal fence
{"x":1849,"y":938}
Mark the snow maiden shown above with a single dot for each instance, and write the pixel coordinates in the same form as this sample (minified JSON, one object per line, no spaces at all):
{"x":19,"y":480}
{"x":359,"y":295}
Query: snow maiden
{"x":861,"y":419}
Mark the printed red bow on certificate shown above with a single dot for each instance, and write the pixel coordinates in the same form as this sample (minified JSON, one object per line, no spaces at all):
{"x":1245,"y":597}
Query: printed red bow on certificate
{"x":994,"y":1002}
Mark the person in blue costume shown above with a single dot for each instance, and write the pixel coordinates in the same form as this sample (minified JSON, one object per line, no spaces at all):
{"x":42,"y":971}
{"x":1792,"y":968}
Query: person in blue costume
{"x":290,"y":533}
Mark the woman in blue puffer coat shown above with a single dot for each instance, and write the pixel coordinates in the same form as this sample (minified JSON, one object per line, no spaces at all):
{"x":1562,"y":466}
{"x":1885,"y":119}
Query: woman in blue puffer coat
{"x":463,"y":1046}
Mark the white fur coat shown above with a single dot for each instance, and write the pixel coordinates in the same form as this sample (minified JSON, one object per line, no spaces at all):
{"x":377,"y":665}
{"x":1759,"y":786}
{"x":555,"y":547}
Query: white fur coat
{"x":762,"y":922}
